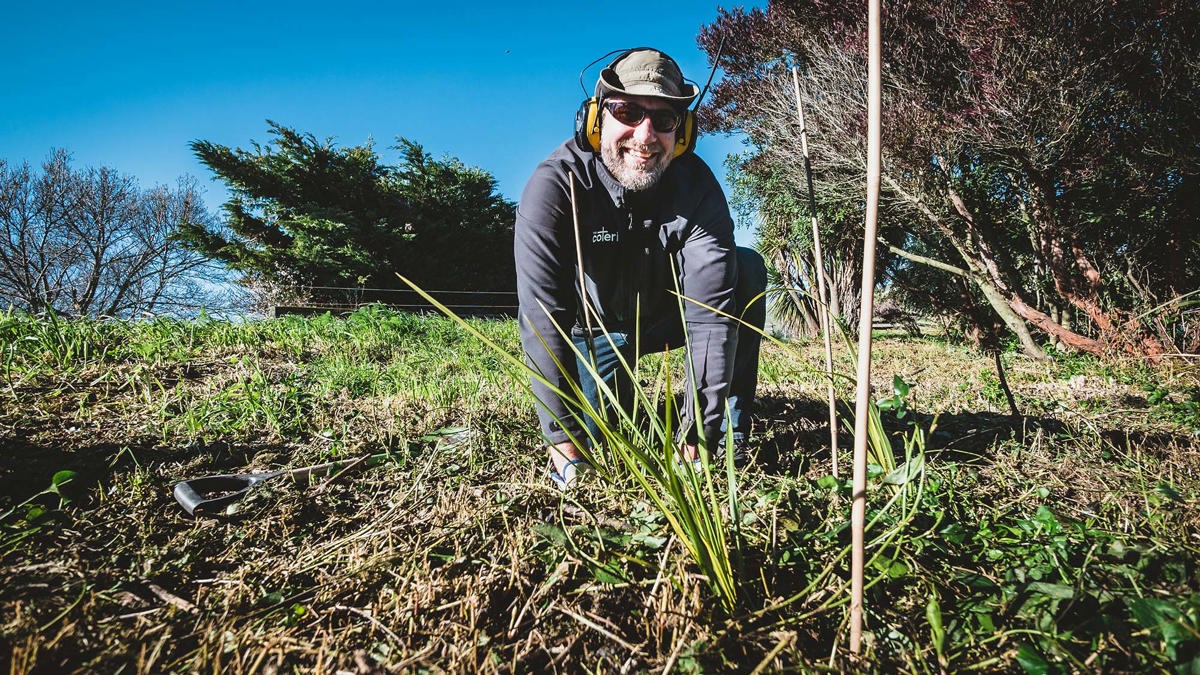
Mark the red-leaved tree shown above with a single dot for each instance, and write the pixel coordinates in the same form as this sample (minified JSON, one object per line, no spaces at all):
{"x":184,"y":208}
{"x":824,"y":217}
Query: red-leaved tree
{"x":1046,"y":152}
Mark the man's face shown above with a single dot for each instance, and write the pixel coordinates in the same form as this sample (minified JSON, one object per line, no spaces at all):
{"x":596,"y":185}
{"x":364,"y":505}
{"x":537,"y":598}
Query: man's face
{"x":636,"y":154}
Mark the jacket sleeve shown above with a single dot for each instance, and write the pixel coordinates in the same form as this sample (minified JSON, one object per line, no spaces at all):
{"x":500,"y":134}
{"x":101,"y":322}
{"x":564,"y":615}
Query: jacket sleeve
{"x":544,"y":247}
{"x":707,"y":261}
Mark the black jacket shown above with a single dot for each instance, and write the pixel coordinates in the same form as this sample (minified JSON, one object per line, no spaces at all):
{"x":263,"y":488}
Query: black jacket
{"x":636,"y":245}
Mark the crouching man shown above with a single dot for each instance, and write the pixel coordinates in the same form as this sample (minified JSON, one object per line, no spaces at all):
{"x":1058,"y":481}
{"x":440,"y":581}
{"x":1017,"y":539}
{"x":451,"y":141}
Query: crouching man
{"x":627,"y":213}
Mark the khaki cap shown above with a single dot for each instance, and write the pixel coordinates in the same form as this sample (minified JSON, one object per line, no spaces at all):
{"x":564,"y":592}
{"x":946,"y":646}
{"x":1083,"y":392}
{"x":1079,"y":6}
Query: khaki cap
{"x":647,"y":72}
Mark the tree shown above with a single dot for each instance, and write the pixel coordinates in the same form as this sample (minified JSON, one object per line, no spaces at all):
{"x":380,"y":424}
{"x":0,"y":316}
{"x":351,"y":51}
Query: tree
{"x":306,"y":213}
{"x":91,"y":242}
{"x":1040,"y":144}
{"x":462,"y":228}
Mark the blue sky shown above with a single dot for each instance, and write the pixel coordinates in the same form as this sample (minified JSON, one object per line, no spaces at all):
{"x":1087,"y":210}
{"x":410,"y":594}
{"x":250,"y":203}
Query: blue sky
{"x":129,"y":85}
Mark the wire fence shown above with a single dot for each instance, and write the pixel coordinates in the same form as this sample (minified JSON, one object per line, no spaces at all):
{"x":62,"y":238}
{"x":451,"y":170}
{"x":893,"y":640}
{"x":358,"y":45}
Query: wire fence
{"x":347,"y":299}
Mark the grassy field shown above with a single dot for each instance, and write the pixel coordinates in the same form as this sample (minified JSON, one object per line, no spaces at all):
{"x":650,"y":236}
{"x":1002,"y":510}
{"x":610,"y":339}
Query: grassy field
{"x":1065,"y":538}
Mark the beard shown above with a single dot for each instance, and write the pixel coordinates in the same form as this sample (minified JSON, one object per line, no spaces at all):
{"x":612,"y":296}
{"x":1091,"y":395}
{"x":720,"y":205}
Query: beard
{"x":630,"y":175}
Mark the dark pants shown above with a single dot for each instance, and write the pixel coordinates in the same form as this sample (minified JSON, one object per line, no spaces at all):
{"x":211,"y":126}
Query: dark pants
{"x":669,"y":331}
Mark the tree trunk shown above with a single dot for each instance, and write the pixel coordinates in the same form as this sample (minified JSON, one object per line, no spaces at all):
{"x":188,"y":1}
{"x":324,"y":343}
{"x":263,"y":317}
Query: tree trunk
{"x":808,"y":305}
{"x":1075,"y":276}
{"x":995,"y":299}
{"x":979,"y":272}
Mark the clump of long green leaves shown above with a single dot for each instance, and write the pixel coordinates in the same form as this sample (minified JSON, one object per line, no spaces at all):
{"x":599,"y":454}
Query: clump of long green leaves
{"x":634,"y":441}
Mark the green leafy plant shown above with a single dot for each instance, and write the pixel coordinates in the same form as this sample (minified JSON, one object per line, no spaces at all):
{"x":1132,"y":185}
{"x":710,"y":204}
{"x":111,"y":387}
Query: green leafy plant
{"x":35,"y":515}
{"x":1176,"y":628}
{"x":57,"y":482}
{"x":898,"y":401}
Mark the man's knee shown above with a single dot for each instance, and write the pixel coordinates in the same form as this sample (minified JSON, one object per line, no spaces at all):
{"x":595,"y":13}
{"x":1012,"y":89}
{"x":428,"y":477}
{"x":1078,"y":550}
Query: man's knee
{"x":751,"y":285}
{"x":752,"y":272}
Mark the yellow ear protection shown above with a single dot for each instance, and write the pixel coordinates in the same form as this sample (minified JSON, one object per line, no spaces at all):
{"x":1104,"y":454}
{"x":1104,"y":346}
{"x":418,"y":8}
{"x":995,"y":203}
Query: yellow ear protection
{"x":587,"y":118}
{"x":587,"y":125}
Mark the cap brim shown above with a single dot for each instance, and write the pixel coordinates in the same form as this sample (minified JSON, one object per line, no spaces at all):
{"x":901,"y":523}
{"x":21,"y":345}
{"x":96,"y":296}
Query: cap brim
{"x":610,"y":84}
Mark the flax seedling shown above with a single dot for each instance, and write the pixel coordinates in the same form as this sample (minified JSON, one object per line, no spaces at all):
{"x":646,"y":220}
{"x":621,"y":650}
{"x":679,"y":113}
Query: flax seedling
{"x":633,"y":441}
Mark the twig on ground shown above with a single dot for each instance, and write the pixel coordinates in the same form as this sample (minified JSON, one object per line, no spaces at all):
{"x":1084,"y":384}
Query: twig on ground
{"x":172,"y":599}
{"x":598,"y":628}
{"x":677,"y":648}
{"x":784,"y":640}
{"x":662,"y":566}
{"x":366,"y":614}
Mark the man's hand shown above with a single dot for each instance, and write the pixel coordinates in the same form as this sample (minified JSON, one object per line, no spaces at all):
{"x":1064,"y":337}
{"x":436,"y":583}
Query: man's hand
{"x":689,"y":451}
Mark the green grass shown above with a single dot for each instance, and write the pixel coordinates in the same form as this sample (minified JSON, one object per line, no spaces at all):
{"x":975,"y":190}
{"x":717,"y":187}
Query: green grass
{"x":1064,"y":541}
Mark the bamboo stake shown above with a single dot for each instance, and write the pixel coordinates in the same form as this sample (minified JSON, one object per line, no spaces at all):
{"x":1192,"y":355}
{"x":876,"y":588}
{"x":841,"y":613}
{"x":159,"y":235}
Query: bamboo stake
{"x":590,"y":340}
{"x":858,"y":510}
{"x":583,"y":294}
{"x":823,"y":300}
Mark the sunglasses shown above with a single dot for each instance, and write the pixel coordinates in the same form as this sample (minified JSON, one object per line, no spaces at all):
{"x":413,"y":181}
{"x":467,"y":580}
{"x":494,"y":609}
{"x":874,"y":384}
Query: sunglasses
{"x":631,"y":114}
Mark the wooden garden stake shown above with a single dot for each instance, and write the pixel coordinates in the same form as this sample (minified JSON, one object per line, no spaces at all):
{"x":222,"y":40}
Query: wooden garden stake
{"x":823,"y":298}
{"x":858,"y":511}
{"x":583,"y":294}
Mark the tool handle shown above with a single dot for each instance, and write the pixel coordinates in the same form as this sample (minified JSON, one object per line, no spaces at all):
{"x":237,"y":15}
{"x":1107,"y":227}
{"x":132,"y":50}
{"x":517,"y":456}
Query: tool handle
{"x":321,"y":470}
{"x":196,"y":495}
{"x":187,"y":497}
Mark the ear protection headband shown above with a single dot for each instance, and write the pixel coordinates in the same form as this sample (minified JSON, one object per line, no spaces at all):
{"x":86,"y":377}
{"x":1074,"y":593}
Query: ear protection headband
{"x":587,"y":118}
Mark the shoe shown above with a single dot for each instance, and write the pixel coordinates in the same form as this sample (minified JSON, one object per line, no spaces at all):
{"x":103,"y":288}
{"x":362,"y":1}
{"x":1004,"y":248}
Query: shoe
{"x":571,"y":475}
{"x":741,"y":453}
